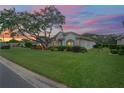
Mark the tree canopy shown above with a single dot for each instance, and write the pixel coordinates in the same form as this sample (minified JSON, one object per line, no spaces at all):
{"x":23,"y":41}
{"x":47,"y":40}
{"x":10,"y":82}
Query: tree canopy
{"x":36,"y":26}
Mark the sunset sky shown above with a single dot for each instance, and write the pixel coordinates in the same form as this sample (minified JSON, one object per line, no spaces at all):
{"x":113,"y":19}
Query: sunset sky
{"x":96,"y":19}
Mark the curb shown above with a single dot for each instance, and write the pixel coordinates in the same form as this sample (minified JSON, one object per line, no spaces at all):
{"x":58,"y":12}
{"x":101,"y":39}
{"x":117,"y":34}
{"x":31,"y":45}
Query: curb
{"x":36,"y":80}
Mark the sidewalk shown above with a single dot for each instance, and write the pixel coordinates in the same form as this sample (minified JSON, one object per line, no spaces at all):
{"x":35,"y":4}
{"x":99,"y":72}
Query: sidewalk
{"x":34,"y":79}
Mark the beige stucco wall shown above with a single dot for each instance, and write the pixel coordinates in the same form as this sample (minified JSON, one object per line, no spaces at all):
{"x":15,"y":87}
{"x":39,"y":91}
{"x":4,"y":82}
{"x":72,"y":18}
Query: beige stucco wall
{"x":120,"y":42}
{"x":70,"y":37}
{"x":87,"y":44}
{"x":83,"y":43}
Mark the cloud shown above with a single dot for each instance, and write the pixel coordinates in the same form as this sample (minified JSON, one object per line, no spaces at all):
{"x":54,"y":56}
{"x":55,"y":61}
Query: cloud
{"x":101,"y":18}
{"x":113,"y":26}
{"x":6,"y":6}
{"x":83,"y":30}
{"x":65,"y":9}
{"x":71,"y":27}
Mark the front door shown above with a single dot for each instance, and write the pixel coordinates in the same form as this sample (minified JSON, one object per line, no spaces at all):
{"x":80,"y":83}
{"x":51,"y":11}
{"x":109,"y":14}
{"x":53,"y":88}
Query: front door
{"x":70,"y":43}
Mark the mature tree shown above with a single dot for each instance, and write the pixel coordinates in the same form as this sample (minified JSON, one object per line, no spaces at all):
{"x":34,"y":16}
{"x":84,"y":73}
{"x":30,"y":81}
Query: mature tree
{"x":36,"y":26}
{"x":8,"y":19}
{"x":13,"y":34}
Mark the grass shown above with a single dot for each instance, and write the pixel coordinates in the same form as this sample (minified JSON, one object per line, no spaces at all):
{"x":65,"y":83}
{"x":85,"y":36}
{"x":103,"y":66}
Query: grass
{"x":97,"y":68}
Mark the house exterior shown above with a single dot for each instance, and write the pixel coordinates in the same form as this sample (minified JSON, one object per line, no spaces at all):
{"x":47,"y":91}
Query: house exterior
{"x":71,"y":39}
{"x":120,"y":40}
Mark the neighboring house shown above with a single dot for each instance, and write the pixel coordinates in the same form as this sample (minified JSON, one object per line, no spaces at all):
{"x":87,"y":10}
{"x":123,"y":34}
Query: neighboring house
{"x":120,"y":40}
{"x":72,"y":39}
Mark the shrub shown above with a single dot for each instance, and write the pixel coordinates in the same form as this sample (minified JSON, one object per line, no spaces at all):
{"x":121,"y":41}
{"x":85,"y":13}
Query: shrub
{"x":112,"y":46}
{"x":97,"y":46}
{"x":117,"y":49}
{"x":68,"y":48}
{"x":49,"y":48}
{"x":33,"y":47}
{"x":83,"y":49}
{"x":76,"y":49}
{"x":61,"y":48}
{"x":28,"y":44}
{"x":13,"y":41}
{"x":105,"y":45}
{"x":39,"y":47}
{"x":36,"y":47}
{"x":121,"y":47}
{"x":53,"y":48}
{"x":5,"y":47}
{"x":114,"y":51}
{"x":121,"y":51}
{"x":20,"y":45}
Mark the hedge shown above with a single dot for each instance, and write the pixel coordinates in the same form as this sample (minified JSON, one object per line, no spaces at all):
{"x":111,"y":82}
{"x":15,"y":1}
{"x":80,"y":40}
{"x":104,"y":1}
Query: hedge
{"x":72,"y":49}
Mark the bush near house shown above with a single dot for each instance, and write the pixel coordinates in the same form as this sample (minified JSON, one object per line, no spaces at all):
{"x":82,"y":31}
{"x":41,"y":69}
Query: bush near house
{"x":76,"y":49}
{"x":5,"y":47}
{"x":83,"y":50}
{"x":13,"y":41}
{"x":117,"y":49}
{"x":61,"y":48}
{"x":113,"y":46}
{"x":98,"y":46}
{"x":121,"y":51}
{"x":53,"y":48}
{"x":36,"y":47}
{"x":68,"y":48}
{"x":28,"y":44}
{"x":105,"y":45}
{"x":114,"y":51}
{"x":79,"y":49}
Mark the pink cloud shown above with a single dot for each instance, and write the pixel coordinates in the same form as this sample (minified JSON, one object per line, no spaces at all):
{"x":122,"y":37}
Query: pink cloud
{"x":114,"y":26}
{"x":69,"y":9}
{"x":65,"y":9}
{"x":6,"y":6}
{"x":71,"y":20}
{"x":90,"y":22}
{"x":68,"y":27}
{"x":100,"y":18}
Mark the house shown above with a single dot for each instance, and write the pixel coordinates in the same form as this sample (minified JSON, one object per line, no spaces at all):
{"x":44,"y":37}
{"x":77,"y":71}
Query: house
{"x":120,"y":40}
{"x":72,"y":39}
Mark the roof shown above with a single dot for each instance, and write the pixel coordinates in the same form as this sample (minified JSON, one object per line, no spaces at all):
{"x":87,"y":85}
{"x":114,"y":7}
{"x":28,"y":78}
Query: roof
{"x":86,"y":38}
{"x":120,"y":37}
{"x":79,"y":36}
{"x":65,"y":33}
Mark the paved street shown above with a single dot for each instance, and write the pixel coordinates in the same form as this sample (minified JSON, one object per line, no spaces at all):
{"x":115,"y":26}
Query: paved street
{"x":9,"y":79}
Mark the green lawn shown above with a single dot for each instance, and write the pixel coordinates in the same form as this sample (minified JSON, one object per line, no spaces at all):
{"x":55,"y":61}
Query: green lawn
{"x":97,"y":68}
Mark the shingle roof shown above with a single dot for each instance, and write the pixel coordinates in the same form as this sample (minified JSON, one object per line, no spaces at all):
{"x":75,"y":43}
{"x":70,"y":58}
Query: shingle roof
{"x":120,"y":37}
{"x":79,"y":36}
